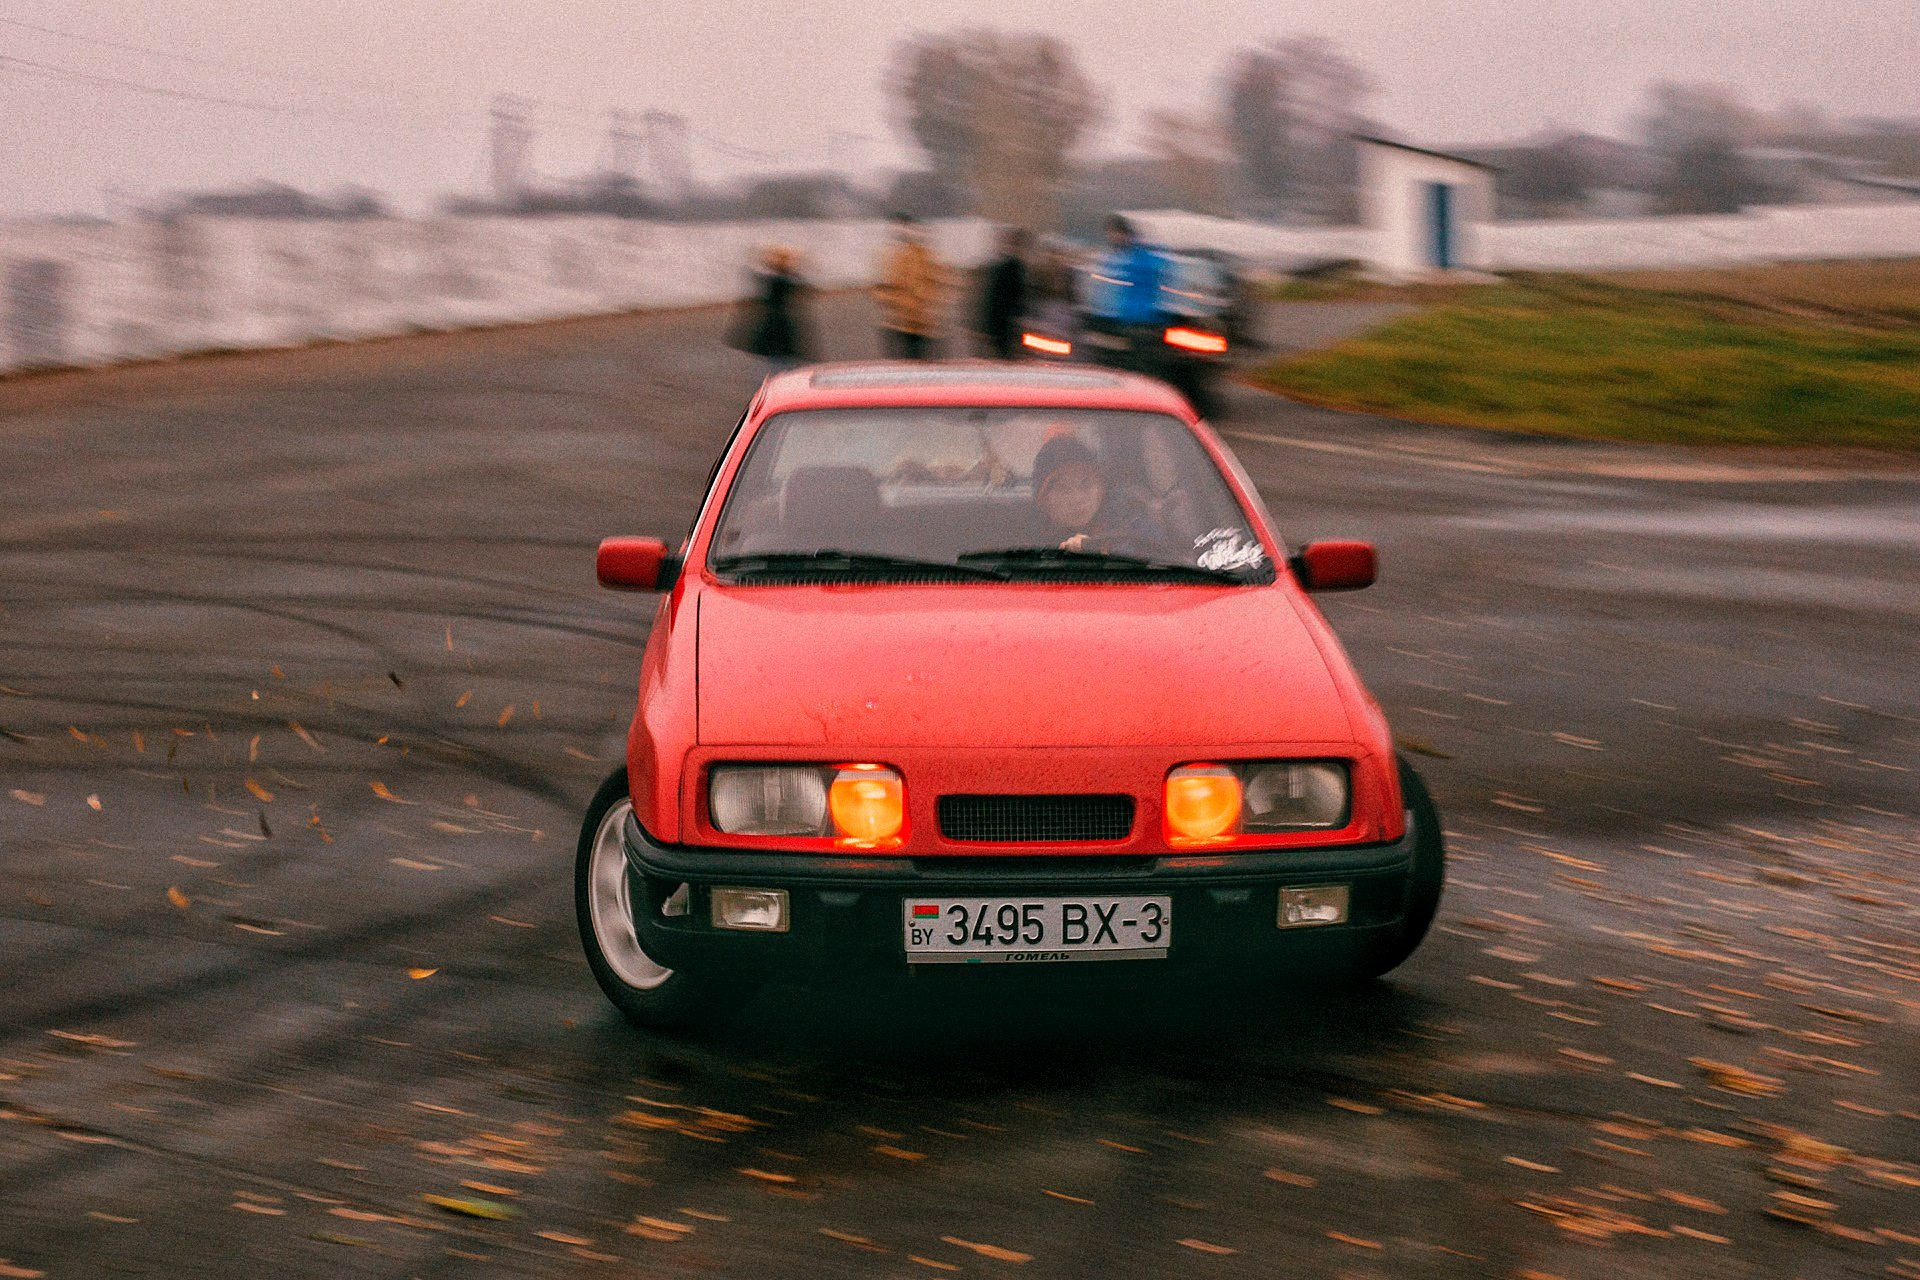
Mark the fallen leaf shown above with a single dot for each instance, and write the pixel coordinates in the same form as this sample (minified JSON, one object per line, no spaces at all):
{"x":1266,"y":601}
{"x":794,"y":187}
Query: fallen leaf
{"x":1355,"y":1241}
{"x":899,"y":1153}
{"x":417,"y":974}
{"x":488,"y":1209}
{"x":1204,"y":1247}
{"x":93,"y":803}
{"x":506,"y":714}
{"x":29,"y":797}
{"x":764,"y":1176}
{"x":11,"y":1272}
{"x":848,"y":1237}
{"x":463,"y":699}
{"x":264,"y":1209}
{"x":380,"y":789}
{"x":178,"y":898}
{"x":988,"y":1250}
{"x":260,"y":793}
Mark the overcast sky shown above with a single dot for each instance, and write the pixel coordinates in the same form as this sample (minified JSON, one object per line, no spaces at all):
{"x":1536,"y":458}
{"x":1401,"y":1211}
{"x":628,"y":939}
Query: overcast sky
{"x":393,"y":94}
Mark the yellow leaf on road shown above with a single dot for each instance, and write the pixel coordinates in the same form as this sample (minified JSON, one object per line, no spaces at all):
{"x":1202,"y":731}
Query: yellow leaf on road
{"x":471,"y":1208}
{"x":505,"y":715}
{"x":29,"y":797}
{"x":93,"y":803}
{"x":380,"y":789}
{"x":260,"y":793}
{"x":417,"y":974}
{"x":1203,"y":1246}
{"x":993,"y":1251}
{"x":178,"y":898}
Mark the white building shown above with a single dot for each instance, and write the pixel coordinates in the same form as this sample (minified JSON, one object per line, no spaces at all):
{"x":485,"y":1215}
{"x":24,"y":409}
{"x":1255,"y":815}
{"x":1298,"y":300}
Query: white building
{"x":1424,"y":210}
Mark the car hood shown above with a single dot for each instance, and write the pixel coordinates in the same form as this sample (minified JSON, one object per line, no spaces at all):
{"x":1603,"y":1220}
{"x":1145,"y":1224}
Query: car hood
{"x":1010,"y":666}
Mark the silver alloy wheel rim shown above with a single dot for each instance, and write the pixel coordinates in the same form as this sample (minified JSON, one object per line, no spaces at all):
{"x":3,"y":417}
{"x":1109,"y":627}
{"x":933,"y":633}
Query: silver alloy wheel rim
{"x":610,"y":904}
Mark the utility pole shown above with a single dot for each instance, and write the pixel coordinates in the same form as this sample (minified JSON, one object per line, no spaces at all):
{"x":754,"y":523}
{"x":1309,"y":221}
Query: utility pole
{"x":620,"y":156}
{"x":512,"y":141}
{"x":670,"y":155}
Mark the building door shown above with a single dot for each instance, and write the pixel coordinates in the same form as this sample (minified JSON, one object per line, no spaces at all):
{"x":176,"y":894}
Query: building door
{"x":1440,"y":225}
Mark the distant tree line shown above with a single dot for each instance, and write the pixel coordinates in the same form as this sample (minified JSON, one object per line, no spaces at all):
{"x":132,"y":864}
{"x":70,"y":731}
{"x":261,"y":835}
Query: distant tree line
{"x":1002,"y":122}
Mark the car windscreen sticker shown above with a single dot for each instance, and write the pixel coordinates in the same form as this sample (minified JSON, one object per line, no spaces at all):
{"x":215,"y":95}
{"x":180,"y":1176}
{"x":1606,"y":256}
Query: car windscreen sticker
{"x":1228,"y":549}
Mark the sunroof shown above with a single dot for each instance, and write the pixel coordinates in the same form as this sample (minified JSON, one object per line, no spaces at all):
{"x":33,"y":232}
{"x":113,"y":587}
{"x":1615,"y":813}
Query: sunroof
{"x":889,"y":375}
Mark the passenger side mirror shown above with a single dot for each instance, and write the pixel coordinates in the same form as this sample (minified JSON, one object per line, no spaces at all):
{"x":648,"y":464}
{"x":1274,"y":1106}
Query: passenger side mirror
{"x":636,"y":564}
{"x":1334,"y":566}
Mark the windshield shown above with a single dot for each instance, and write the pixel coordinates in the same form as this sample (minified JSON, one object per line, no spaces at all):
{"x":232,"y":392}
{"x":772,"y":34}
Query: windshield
{"x":1005,"y":492}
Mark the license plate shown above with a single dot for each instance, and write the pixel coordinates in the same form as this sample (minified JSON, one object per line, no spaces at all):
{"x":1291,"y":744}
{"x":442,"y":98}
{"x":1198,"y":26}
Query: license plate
{"x":1035,"y":930}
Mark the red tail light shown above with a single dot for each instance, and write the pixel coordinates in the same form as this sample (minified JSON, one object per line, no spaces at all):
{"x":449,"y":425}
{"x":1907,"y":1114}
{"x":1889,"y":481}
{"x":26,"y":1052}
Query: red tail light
{"x":1196,"y":340}
{"x":1051,"y":346}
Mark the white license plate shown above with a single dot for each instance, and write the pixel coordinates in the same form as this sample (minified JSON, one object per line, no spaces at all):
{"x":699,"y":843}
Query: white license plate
{"x":1035,"y":930}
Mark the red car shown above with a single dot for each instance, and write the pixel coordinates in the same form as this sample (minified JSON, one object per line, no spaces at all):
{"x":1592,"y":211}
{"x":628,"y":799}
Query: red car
{"x":984,"y":663}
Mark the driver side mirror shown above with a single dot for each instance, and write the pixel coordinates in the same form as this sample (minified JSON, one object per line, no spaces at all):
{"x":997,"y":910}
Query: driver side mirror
{"x":636,"y":564}
{"x":1334,"y":566}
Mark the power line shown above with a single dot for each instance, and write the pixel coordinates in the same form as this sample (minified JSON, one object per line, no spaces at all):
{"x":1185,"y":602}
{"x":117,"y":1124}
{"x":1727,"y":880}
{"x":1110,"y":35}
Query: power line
{"x":87,"y":77}
{"x":128,"y":46}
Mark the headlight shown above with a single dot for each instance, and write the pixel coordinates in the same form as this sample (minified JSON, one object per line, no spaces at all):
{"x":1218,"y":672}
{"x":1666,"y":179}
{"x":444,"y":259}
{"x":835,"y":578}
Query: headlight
{"x":1211,"y":803}
{"x":1286,"y":795}
{"x":864,"y":805}
{"x":768,"y":800}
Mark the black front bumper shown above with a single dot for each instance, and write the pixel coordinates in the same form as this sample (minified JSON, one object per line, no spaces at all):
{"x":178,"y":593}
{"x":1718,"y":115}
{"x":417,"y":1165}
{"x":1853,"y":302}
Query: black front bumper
{"x":845,"y":914}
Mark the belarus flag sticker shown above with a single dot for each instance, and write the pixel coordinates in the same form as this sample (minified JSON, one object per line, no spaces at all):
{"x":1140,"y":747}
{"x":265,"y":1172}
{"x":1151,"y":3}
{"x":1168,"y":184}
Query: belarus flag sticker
{"x":925,"y":910}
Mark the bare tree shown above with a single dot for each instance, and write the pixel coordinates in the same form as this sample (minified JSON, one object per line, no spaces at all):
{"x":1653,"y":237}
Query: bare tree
{"x":1290,"y":109}
{"x":1698,"y":133}
{"x":997,"y":114}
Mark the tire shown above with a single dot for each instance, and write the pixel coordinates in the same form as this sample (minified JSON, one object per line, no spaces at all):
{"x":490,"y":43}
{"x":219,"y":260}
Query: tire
{"x":651,"y":995}
{"x":1428,"y":880}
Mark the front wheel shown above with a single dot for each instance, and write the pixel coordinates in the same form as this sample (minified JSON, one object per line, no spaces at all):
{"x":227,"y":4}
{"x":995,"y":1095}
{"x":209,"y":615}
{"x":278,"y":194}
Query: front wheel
{"x":646,"y":991}
{"x":1428,"y":880}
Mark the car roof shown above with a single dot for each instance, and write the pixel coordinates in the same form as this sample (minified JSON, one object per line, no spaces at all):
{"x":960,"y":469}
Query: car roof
{"x":984,"y":383}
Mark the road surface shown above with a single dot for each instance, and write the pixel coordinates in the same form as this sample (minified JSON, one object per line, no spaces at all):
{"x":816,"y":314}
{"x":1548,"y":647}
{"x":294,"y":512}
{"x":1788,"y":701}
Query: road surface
{"x":304,"y":682}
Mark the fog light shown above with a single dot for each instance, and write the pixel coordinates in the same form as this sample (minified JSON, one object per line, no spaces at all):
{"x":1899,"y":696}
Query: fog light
{"x":763,"y":909}
{"x":1320,"y":904}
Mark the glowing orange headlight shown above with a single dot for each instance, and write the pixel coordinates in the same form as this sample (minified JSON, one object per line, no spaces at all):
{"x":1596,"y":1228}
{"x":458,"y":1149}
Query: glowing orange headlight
{"x":1052,"y":346}
{"x":1203,"y":803}
{"x":869,"y":805}
{"x":1195,"y":340}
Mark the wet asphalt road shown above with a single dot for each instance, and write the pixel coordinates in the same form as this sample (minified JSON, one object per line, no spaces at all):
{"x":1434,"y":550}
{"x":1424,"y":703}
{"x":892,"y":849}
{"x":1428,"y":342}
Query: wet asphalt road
{"x":304,"y":682}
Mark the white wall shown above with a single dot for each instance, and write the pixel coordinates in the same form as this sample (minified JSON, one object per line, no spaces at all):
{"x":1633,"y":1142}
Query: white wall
{"x":101,"y":294}
{"x":1798,"y":232}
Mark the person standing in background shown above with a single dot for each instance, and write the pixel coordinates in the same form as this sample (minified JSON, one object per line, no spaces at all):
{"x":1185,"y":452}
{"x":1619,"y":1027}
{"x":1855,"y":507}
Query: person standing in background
{"x":1003,"y":296}
{"x":910,"y":292}
{"x":774,"y":325}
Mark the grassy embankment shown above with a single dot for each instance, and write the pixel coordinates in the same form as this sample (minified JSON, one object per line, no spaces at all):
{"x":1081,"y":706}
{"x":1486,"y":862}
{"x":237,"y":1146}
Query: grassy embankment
{"x":1801,"y":354}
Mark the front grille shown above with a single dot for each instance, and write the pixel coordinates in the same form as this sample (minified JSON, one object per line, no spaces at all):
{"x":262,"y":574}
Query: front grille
{"x":1035,"y":819}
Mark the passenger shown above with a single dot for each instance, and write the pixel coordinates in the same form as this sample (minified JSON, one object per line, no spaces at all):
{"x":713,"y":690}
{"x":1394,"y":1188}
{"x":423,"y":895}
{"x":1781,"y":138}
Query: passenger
{"x":1074,"y":499}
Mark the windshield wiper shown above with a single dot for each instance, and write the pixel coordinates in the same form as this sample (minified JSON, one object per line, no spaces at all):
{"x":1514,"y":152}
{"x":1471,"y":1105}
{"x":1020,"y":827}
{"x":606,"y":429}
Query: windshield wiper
{"x":833,"y":560}
{"x":1047,"y":559}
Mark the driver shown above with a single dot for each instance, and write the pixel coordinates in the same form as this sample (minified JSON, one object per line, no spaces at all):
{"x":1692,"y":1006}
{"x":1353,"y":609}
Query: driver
{"x":1081,"y":510}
